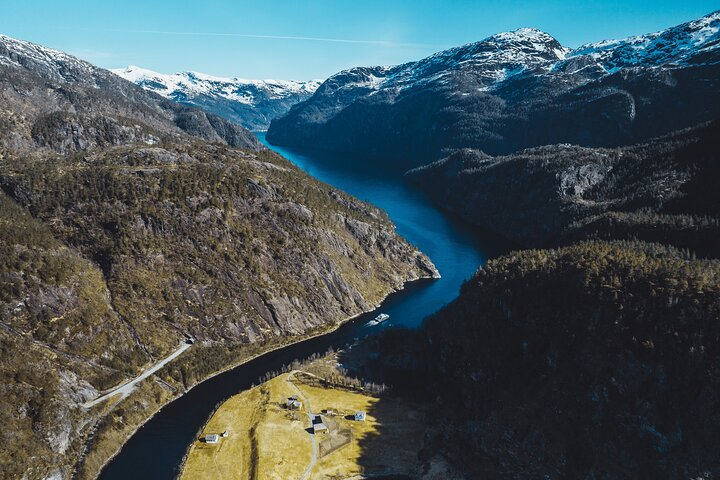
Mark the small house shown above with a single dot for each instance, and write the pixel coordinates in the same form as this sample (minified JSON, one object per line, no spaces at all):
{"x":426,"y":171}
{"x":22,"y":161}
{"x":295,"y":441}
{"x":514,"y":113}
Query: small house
{"x":212,"y":438}
{"x":320,"y":429}
{"x":359,"y":416}
{"x":293,"y":403}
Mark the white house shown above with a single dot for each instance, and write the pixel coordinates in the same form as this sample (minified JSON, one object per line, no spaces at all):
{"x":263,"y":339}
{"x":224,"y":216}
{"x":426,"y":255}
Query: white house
{"x":212,"y":438}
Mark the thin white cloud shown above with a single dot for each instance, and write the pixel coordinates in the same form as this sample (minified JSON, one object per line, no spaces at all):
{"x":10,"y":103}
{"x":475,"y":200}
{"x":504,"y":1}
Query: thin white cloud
{"x":383,"y":43}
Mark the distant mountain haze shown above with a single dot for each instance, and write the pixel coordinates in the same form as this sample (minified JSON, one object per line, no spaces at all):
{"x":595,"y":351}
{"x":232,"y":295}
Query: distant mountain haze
{"x":250,"y":103}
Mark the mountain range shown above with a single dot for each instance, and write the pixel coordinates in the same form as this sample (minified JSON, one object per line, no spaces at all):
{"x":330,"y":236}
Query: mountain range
{"x":54,"y":101}
{"x":128,"y":223}
{"x":250,"y":103}
{"x":131,"y":221}
{"x":515,"y":90}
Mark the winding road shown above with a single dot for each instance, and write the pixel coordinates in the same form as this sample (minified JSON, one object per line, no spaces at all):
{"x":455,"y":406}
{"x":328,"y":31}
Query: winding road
{"x":308,"y":411}
{"x":126,"y":388}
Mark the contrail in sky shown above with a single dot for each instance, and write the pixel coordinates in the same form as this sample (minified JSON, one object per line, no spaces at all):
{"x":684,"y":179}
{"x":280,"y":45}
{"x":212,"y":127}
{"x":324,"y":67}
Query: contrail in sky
{"x":385,"y":43}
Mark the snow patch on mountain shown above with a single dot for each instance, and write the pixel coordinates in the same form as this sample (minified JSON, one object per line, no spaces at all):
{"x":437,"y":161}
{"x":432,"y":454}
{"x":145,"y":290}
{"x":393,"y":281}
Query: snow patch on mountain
{"x":673,"y":46}
{"x":58,"y":65}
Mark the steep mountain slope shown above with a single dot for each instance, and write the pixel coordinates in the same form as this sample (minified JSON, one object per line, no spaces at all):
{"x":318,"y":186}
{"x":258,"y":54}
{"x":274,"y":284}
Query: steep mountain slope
{"x":123,"y":231}
{"x":250,"y":103}
{"x":515,"y":90}
{"x":662,"y":191}
{"x":598,"y":360}
{"x":55,"y":101}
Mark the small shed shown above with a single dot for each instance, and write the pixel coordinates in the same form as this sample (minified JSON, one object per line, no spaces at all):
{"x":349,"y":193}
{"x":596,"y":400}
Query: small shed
{"x":293,"y":403}
{"x":212,"y":438}
{"x":359,"y":416}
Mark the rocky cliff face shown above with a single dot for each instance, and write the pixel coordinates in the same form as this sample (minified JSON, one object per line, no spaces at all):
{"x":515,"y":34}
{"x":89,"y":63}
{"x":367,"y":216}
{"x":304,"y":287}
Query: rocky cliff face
{"x":250,"y":103}
{"x":657,"y":191}
{"x":127,"y":223}
{"x":512,"y":91}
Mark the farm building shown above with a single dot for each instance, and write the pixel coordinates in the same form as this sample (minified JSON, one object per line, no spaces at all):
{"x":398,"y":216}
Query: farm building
{"x":212,"y":438}
{"x":359,"y":416}
{"x":320,"y":429}
{"x":293,"y":403}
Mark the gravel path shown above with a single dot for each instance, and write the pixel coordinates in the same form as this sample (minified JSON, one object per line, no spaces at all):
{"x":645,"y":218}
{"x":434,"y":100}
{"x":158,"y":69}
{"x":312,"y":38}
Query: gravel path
{"x":306,"y":405}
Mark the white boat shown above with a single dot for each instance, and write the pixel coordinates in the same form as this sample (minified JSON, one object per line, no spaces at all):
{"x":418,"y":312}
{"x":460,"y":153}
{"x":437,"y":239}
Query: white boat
{"x":375,"y":321}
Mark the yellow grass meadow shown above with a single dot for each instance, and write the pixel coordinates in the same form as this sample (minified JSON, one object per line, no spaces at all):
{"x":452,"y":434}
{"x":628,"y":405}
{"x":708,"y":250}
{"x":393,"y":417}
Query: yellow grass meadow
{"x":266,"y":440}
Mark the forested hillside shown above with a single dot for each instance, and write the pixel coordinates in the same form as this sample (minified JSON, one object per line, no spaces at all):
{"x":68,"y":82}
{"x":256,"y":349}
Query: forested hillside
{"x":659,"y":191}
{"x":598,"y":360}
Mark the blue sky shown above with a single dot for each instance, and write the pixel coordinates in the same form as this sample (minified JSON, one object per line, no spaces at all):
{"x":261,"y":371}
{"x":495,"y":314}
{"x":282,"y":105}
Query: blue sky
{"x":243,"y":38}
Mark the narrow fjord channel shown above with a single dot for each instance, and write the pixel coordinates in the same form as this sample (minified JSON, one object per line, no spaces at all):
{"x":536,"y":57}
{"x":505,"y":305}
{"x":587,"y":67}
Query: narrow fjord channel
{"x":156,"y":450}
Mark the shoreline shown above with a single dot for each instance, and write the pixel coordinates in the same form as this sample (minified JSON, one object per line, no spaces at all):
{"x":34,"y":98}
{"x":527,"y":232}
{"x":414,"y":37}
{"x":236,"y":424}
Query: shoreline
{"x":336,"y":326}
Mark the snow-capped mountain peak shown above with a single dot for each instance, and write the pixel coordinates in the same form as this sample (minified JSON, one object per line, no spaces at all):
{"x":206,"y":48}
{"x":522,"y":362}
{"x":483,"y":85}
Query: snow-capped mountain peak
{"x":513,"y":90}
{"x":489,"y":61}
{"x":56,"y":64}
{"x":252,"y":103}
{"x":187,"y":84}
{"x":529,"y":51}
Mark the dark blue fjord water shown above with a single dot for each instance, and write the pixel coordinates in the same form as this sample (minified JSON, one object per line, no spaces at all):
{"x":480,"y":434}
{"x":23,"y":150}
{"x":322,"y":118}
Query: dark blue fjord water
{"x":155,"y":451}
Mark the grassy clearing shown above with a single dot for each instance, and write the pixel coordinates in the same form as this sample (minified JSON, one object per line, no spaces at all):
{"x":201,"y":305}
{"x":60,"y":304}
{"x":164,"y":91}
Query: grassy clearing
{"x":264,"y":440}
{"x":267,"y":441}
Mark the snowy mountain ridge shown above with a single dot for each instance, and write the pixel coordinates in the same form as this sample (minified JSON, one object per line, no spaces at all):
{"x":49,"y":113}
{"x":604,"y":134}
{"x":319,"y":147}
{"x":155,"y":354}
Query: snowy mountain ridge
{"x":56,"y":64}
{"x":250,"y":103}
{"x":187,"y":84}
{"x":69,"y":104}
{"x":532,"y":51}
{"x":515,"y":90}
{"x":672,"y":46}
